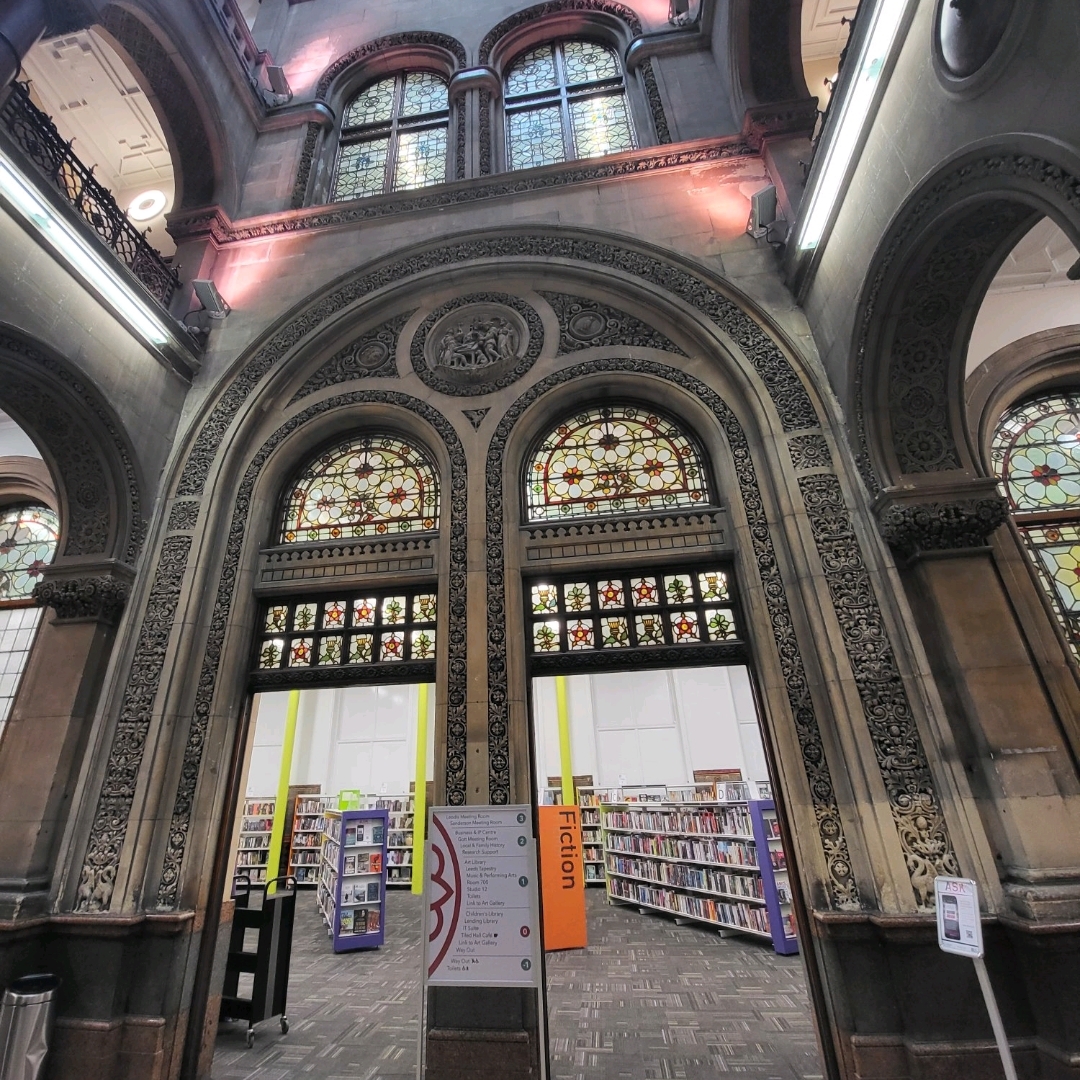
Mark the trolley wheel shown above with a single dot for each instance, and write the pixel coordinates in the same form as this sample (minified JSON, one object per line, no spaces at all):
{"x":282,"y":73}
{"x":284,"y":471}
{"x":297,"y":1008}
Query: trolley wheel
{"x":249,"y":1038}
{"x":284,"y":1025}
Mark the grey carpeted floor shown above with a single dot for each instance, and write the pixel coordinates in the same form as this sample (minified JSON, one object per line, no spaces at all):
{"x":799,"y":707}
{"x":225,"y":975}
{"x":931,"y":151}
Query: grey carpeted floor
{"x":647,"y":1000}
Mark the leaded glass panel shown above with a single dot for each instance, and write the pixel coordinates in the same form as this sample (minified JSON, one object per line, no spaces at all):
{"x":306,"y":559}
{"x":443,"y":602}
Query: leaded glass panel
{"x":424,"y":93}
{"x":601,"y":125}
{"x":533,"y":72}
{"x":373,"y":486}
{"x":374,"y":105}
{"x":421,"y":158}
{"x":361,"y":169}
{"x":614,"y":461}
{"x":586,"y":61}
{"x":28,"y":536}
{"x":535,"y":137}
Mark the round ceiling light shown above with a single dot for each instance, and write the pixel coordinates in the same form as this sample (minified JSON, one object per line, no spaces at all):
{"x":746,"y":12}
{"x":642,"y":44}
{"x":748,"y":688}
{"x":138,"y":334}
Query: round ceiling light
{"x":147,"y":205}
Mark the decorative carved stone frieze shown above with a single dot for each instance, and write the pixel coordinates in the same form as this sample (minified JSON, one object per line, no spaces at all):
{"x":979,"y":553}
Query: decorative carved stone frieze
{"x":477,"y":344}
{"x":371,"y":355}
{"x":809,"y":452}
{"x":475,"y":416}
{"x":584,"y":324}
{"x":101,"y":598}
{"x":183,"y":515}
{"x":917,"y":522}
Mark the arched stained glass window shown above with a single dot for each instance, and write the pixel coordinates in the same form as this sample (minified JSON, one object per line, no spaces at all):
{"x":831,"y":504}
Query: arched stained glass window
{"x":28,"y":537}
{"x":1036,"y":455}
{"x":394,"y":136}
{"x":566,"y":100}
{"x":614,"y":460}
{"x":377,"y":485}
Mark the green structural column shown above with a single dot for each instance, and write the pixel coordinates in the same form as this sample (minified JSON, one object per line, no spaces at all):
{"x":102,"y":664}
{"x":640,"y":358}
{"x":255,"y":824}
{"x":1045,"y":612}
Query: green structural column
{"x":281,"y":806}
{"x":562,"y":706}
{"x":420,"y":790}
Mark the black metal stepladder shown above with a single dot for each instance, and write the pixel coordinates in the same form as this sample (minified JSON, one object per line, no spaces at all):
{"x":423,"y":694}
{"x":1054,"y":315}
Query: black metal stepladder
{"x":269,"y":963}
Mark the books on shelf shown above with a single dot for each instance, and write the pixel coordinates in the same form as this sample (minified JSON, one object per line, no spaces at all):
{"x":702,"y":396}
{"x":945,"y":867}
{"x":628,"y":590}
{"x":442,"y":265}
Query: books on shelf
{"x":399,"y":834}
{"x":352,"y":877}
{"x":707,"y":852}
{"x":253,"y":843}
{"x":306,"y":840}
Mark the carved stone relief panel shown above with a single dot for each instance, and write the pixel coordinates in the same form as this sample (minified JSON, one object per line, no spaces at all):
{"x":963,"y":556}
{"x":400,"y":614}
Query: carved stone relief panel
{"x":370,"y":355}
{"x":477,"y":344}
{"x":587,"y":323}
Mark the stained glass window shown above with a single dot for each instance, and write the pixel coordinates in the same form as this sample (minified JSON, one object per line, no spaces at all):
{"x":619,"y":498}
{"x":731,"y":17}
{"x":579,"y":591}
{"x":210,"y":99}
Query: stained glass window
{"x":377,"y":485}
{"x":1036,"y":455}
{"x":641,"y":611}
{"x":394,"y":136}
{"x":28,"y":537}
{"x":566,"y":100}
{"x":394,"y":627}
{"x":614,"y":460}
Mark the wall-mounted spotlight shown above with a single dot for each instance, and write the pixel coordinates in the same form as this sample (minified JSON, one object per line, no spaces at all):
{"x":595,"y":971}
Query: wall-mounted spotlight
{"x":279,"y":84}
{"x":679,"y":12}
{"x":213,"y":302}
{"x":762,"y":211}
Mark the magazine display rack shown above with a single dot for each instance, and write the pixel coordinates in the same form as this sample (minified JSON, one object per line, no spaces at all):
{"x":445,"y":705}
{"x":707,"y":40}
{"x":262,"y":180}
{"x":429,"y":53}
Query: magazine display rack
{"x":352,"y":878}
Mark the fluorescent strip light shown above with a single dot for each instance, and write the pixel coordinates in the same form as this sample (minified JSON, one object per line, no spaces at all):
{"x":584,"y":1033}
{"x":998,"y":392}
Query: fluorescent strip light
{"x":879,"y":41}
{"x":80,"y":255}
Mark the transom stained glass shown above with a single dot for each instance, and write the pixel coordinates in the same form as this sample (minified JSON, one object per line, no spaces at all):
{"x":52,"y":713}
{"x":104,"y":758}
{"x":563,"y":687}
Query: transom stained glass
{"x":28,"y":536}
{"x":1036,"y":454}
{"x":614,"y":460}
{"x":565,"y":100}
{"x":378,"y":485}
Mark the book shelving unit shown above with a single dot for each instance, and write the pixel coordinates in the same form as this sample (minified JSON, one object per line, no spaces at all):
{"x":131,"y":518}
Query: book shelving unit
{"x":716,"y":861}
{"x":306,"y":841}
{"x":352,"y":878}
{"x":592,"y":840}
{"x":399,"y":836}
{"x":253,"y":843}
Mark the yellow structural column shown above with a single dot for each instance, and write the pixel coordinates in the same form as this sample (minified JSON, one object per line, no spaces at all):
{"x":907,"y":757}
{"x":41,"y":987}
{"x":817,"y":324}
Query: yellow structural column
{"x":277,"y":832}
{"x":420,"y":789}
{"x":562,"y":707}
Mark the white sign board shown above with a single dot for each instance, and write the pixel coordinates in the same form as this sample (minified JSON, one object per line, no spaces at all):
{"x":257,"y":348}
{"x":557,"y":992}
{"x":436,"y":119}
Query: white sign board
{"x":483,"y":926}
{"x":959,"y":928}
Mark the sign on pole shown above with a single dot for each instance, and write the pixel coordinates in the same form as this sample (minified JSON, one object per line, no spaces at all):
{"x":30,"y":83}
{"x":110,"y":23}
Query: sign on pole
{"x":481,"y":897}
{"x":563,"y":878}
{"x":959,"y":927}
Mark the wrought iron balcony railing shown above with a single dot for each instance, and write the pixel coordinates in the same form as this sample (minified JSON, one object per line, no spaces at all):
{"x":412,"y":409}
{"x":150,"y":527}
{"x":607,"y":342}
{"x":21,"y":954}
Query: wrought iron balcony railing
{"x":38,"y":138}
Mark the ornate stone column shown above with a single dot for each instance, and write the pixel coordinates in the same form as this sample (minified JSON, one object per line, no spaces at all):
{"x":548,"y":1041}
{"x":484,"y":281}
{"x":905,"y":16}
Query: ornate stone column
{"x":44,"y":738}
{"x":1013,"y":746}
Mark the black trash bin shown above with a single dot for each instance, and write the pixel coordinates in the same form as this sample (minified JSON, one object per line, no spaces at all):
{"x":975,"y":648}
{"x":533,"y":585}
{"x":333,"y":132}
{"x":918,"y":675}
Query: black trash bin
{"x":26,"y":1017}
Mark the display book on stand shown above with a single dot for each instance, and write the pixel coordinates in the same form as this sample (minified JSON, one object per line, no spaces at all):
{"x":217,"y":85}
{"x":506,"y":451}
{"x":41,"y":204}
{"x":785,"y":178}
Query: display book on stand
{"x":399,"y":836}
{"x":706,"y":853}
{"x":352,"y":878}
{"x":305,"y":844}
{"x":253,"y":844}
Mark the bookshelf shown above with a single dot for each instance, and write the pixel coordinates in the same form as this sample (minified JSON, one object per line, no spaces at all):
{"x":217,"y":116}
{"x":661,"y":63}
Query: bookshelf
{"x":399,"y":836}
{"x":717,"y":861}
{"x":253,"y":843}
{"x":592,"y":840}
{"x":352,"y":878}
{"x":305,"y":843}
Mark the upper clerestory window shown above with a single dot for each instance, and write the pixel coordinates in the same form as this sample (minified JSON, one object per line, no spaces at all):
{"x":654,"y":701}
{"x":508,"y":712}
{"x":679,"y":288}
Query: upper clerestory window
{"x":566,"y":100}
{"x":393,"y":136}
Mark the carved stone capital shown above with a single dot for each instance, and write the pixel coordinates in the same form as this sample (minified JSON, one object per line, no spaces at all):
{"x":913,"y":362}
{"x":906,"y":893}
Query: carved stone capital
{"x":95,"y":591}
{"x":914,"y":523}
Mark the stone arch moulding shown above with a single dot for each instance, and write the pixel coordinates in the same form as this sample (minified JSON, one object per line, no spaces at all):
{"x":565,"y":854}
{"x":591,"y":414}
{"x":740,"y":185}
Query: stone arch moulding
{"x":382,"y":56}
{"x":615,"y":22}
{"x":928,"y":278}
{"x":88,"y":455}
{"x":211,"y":452}
{"x":27,"y":479}
{"x":194,"y":143}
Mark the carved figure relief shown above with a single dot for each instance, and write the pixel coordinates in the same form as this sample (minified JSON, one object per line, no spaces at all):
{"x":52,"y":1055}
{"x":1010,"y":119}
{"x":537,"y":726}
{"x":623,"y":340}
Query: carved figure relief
{"x":477,"y":344}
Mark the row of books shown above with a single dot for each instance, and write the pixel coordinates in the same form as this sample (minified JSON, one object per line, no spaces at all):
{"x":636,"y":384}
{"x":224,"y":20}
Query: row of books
{"x":705,"y":820}
{"x":359,"y":920}
{"x":720,"y":852}
{"x":738,"y":915}
{"x":685,"y":876}
{"x":360,"y":892}
{"x":364,"y":863}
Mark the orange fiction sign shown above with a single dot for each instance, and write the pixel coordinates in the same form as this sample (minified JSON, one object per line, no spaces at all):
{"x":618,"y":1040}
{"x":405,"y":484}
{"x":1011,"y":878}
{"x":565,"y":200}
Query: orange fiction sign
{"x":562,"y":878}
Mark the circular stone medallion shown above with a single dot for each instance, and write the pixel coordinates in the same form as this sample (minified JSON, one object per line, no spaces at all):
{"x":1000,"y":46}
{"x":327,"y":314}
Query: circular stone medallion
{"x":477,"y":344}
{"x":969,"y":31}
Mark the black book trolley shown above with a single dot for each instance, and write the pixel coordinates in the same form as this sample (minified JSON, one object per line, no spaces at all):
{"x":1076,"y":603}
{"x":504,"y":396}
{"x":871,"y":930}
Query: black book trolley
{"x":269,"y":963}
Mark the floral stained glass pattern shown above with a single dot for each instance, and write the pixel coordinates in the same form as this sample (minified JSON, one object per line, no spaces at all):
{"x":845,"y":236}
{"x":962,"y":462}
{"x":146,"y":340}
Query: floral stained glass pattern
{"x":28,"y":536}
{"x":645,"y":611}
{"x":614,"y":460}
{"x":375,"y":105}
{"x":1036,"y":454}
{"x":347,"y":630}
{"x":565,"y":101}
{"x":374,"y":486}
{"x":425,"y":92}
